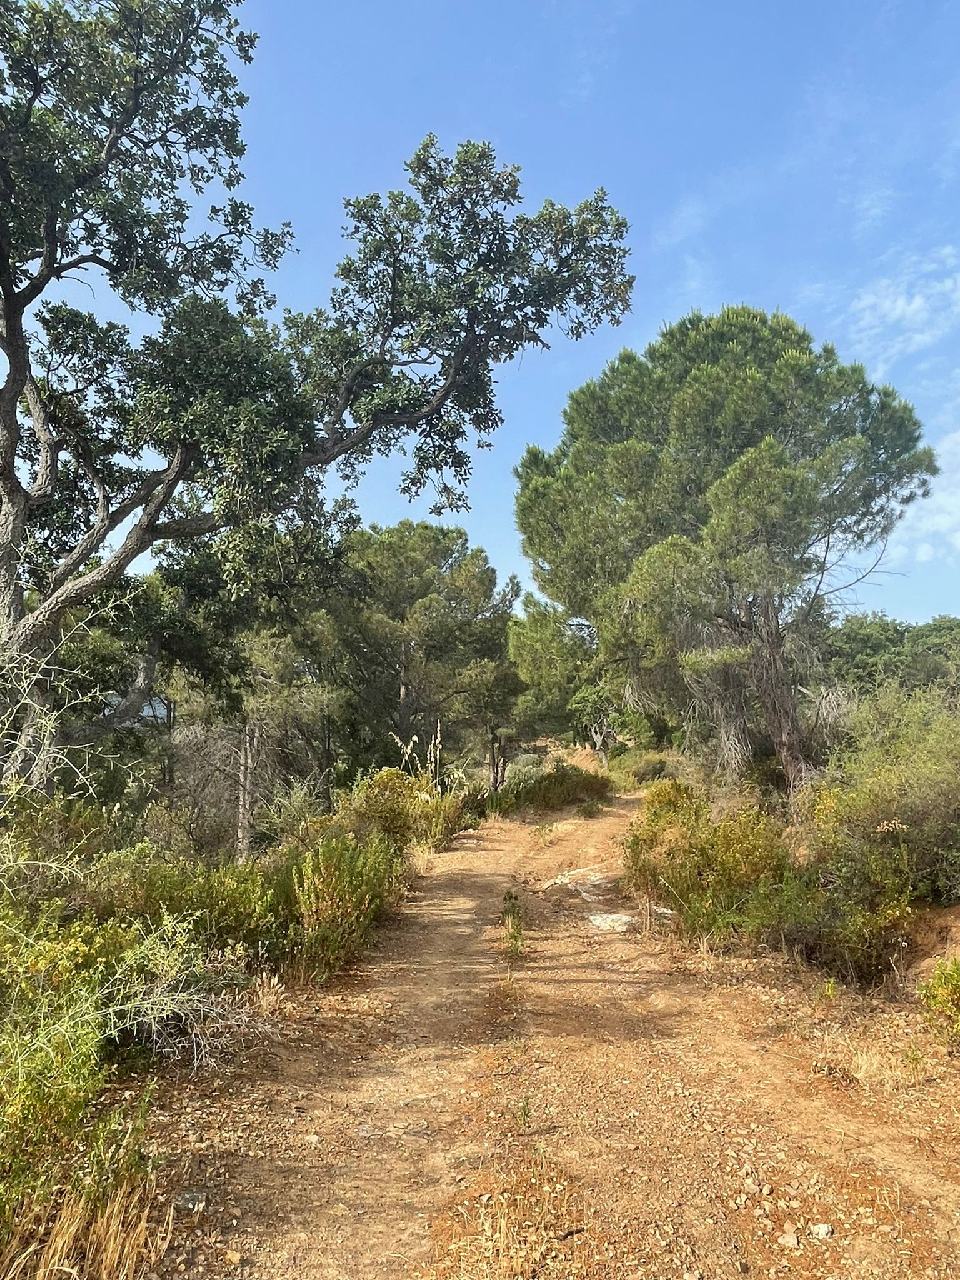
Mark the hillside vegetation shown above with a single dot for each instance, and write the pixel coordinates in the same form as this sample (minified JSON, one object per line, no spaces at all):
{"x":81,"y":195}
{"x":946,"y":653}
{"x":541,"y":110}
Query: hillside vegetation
{"x":235,"y":717}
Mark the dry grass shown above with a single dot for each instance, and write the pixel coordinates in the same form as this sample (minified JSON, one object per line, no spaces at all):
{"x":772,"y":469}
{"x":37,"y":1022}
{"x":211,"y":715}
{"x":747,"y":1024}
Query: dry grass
{"x":532,"y":1222}
{"x":547,"y":833}
{"x":116,"y":1239}
{"x":878,"y":1066}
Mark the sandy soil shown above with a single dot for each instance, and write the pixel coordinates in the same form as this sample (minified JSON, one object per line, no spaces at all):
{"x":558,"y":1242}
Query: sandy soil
{"x":605,"y":1104}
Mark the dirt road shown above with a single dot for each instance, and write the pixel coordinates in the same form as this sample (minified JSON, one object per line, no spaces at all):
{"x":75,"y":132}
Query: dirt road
{"x":606,"y":1104}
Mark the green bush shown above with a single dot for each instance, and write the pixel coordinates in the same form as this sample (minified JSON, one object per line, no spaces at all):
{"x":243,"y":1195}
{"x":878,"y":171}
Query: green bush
{"x":441,"y":817}
{"x":342,"y":887}
{"x":710,"y":873}
{"x":880,"y":833}
{"x":526,"y":765}
{"x":404,"y":808}
{"x":74,"y":995}
{"x":637,"y":766}
{"x":734,"y":877}
{"x":941,"y":996}
{"x":230,"y":905}
{"x":892,"y":794}
{"x":385,"y":804}
{"x":556,"y":787}
{"x":50,"y":1071}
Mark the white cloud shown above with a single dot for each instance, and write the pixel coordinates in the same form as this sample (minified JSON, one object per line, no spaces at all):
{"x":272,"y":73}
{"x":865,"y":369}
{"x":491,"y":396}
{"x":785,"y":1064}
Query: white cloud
{"x":870,"y":208}
{"x":930,"y":531}
{"x":688,"y":219}
{"x":912,"y":307}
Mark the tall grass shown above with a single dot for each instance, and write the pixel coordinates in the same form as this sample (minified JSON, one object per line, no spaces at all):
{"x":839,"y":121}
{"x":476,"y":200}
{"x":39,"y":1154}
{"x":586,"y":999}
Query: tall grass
{"x":112,"y":950}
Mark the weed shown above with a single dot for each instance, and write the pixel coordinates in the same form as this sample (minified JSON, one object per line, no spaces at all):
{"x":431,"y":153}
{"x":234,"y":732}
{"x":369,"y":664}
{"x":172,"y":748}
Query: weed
{"x":512,"y":918}
{"x":829,"y":989}
{"x":532,"y":1222}
{"x":940,"y":994}
{"x":546,"y":833}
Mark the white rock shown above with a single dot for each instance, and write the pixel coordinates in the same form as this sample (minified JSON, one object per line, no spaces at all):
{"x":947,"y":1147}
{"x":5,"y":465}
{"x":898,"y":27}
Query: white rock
{"x":611,"y":921}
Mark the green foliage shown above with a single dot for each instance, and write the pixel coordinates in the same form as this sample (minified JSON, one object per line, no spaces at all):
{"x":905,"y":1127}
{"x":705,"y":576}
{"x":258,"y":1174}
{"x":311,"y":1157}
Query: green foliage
{"x":75,"y":993}
{"x":645,"y":444}
{"x":734,"y":878}
{"x":636,"y":766}
{"x":245,"y":417}
{"x":705,"y":871}
{"x":230,"y":905}
{"x":342,"y":887}
{"x":543,"y":790}
{"x":404,"y":808}
{"x":892,"y":792}
{"x":879,"y":832}
{"x":552,"y":655}
{"x":700,"y":499}
{"x":431,"y":621}
{"x":940,"y":994}
{"x":866,"y":651}
{"x":386,"y":803}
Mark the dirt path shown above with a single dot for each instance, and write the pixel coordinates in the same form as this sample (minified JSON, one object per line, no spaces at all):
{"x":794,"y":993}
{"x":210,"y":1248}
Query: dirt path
{"x":605,"y":1106}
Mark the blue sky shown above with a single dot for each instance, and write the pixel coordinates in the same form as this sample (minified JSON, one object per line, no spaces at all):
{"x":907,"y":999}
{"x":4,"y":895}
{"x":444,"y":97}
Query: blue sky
{"x":805,"y":158}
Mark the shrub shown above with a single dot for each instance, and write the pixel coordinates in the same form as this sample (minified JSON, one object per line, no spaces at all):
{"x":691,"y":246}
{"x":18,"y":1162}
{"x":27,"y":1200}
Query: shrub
{"x":74,"y":995}
{"x":525,"y":765}
{"x":512,"y":919}
{"x":941,"y":996}
{"x":441,"y":816}
{"x":560,"y":785}
{"x":405,"y":808}
{"x":342,"y":886}
{"x":637,"y":766}
{"x":709,"y":873}
{"x":386,"y":804}
{"x":734,"y":878}
{"x":892,"y":795}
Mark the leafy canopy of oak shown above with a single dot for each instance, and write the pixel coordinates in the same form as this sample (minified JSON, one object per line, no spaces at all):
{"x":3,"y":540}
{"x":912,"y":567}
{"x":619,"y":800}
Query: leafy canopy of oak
{"x":116,"y":118}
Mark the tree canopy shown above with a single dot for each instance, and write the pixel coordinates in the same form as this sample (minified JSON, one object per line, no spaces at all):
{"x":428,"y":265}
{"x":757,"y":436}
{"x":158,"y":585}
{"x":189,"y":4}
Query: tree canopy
{"x":224,"y":423}
{"x":706,"y":499}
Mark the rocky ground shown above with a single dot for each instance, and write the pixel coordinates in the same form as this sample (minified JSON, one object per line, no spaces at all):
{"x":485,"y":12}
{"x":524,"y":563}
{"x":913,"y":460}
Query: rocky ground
{"x":601,"y":1103}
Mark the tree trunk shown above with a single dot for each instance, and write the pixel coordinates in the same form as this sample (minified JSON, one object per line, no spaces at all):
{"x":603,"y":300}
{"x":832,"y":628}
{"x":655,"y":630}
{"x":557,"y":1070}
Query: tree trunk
{"x":404,"y":716}
{"x":497,"y":762}
{"x":168,"y":766}
{"x":246,"y":790}
{"x":328,"y":761}
{"x":779,"y":701}
{"x":12,"y":529}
